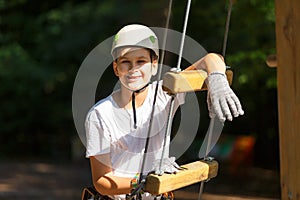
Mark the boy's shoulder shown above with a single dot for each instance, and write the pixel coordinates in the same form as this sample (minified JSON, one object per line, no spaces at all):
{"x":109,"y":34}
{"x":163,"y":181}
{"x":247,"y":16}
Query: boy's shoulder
{"x":102,"y":106}
{"x":104,"y":103}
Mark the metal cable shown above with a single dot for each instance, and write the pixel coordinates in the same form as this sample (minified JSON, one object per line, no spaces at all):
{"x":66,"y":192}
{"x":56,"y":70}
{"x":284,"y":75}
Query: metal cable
{"x":169,"y":122}
{"x":212,"y":121}
{"x":227,"y":27}
{"x":187,"y":11}
{"x":155,"y":95}
{"x":164,"y":41}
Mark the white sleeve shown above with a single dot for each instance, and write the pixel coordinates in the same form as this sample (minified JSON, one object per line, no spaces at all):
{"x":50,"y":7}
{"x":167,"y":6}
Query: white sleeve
{"x":180,"y":97}
{"x":97,"y":141}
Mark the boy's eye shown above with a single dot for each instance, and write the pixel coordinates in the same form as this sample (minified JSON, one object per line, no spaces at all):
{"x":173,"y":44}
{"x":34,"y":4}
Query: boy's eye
{"x":141,"y":61}
{"x":124,"y":61}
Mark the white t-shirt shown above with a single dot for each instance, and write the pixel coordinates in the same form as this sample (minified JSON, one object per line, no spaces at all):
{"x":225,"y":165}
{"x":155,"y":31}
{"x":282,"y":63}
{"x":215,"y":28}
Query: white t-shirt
{"x":109,"y":129}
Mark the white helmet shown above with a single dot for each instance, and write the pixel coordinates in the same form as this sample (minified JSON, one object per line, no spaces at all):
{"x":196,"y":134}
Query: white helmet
{"x":135,"y":35}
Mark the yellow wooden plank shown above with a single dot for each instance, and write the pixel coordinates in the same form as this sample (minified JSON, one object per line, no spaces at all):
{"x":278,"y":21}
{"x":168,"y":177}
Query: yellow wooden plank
{"x":185,"y":81}
{"x":188,"y":81}
{"x":192,"y":173}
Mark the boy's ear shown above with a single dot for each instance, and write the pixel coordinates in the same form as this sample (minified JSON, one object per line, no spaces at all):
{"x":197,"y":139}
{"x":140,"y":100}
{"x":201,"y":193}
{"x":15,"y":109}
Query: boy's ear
{"x":154,"y":67}
{"x":115,"y":67}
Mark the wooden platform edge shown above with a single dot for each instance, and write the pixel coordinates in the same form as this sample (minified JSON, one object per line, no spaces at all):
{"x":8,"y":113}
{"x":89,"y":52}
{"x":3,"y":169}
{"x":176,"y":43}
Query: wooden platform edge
{"x":192,"y":173}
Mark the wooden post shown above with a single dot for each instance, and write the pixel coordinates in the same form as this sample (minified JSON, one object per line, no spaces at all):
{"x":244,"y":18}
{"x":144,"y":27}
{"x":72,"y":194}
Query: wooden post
{"x":288,"y":75}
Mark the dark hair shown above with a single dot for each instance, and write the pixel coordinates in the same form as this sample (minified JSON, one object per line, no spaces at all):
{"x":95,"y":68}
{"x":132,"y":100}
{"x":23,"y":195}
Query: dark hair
{"x":153,"y":55}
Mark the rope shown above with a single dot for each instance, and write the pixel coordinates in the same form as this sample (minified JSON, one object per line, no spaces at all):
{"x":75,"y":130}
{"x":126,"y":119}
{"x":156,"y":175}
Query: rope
{"x":168,"y":131}
{"x":210,"y":134}
{"x":164,"y":41}
{"x":183,"y":34}
{"x":227,"y":27}
{"x":169,"y":122}
{"x":142,"y":177}
{"x":212,"y":121}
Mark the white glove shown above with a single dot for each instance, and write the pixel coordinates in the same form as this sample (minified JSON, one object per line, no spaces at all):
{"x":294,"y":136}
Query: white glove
{"x":168,"y":165}
{"x":221,"y":100}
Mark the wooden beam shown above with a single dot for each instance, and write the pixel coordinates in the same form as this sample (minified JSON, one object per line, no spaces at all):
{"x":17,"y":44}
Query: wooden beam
{"x":188,"y":81}
{"x":288,"y":76}
{"x":192,"y":173}
{"x":185,"y":81}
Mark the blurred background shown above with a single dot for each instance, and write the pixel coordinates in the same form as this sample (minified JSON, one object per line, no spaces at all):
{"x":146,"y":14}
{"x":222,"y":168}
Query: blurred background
{"x":42,"y":45}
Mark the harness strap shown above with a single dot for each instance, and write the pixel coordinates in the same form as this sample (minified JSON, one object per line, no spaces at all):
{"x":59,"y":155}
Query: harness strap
{"x":133,"y":103}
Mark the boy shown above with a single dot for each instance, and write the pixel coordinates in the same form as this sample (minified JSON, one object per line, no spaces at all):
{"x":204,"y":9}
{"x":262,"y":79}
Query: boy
{"x":117,"y":126}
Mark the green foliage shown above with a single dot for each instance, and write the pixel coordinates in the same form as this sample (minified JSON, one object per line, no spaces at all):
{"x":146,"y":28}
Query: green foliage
{"x":42,"y":44}
{"x":251,"y":38}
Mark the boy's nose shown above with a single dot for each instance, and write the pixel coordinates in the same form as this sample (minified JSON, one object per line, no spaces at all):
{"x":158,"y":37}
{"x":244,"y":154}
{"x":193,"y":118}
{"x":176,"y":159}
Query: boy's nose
{"x":132,"y":66}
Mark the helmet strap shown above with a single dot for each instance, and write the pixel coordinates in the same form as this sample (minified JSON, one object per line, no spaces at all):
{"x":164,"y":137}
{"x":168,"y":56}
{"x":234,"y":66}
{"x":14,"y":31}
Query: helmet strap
{"x":133,"y":103}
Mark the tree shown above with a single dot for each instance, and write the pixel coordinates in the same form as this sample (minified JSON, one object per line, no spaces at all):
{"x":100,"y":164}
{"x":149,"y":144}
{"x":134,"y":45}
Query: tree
{"x":43,"y":43}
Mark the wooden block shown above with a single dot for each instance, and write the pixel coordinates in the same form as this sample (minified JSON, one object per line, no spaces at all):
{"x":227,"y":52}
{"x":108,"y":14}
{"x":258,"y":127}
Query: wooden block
{"x":185,"y":81}
{"x":188,"y":81}
{"x":192,"y":173}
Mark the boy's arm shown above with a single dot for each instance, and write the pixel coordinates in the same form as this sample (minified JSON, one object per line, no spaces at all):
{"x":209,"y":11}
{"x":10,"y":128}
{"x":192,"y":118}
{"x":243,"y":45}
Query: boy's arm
{"x":211,"y":62}
{"x":104,"y":181}
{"x":221,"y":100}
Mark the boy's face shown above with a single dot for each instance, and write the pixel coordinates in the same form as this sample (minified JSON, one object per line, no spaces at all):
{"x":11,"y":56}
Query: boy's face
{"x":134,"y":67}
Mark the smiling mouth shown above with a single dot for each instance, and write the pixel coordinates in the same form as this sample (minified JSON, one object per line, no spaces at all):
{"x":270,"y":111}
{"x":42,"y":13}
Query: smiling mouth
{"x":133,"y":78}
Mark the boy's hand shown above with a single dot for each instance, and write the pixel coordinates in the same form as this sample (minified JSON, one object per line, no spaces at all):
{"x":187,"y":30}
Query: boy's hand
{"x":222,"y":101}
